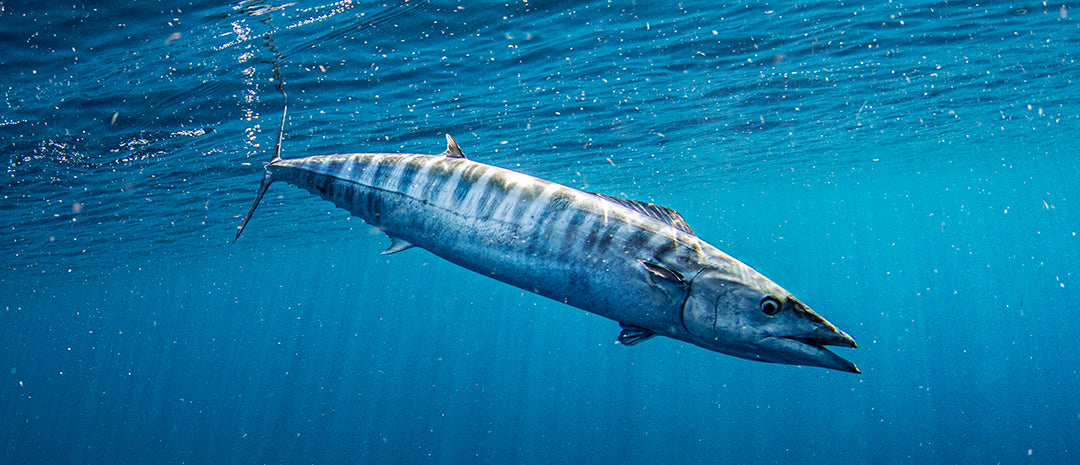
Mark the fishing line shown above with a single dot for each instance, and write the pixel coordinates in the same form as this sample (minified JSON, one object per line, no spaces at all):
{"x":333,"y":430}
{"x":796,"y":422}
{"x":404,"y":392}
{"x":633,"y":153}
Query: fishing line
{"x":263,"y":10}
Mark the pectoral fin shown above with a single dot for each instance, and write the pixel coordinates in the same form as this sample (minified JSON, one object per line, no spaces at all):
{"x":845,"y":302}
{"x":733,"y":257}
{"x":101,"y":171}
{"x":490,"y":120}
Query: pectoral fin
{"x":631,"y":334}
{"x":663,"y":272}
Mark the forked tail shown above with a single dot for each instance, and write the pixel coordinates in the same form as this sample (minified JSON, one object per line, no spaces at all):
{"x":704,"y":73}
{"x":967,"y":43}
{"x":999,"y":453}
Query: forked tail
{"x":266,"y":180}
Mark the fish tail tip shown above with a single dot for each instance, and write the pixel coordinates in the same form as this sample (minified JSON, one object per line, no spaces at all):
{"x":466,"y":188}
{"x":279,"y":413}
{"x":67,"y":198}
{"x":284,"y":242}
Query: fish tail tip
{"x":263,"y":186}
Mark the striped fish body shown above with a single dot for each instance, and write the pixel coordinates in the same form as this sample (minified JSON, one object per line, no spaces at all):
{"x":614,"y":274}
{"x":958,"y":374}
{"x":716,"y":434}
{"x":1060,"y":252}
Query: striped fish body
{"x":632,"y":262}
{"x":562,"y":243}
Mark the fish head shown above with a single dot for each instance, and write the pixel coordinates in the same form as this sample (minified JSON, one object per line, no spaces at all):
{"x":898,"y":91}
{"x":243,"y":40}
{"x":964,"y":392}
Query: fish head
{"x":744,"y":314}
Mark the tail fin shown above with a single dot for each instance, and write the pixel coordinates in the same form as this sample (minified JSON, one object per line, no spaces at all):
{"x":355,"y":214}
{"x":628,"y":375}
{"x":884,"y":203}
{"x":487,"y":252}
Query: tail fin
{"x":251,"y":210}
{"x":267,"y":178}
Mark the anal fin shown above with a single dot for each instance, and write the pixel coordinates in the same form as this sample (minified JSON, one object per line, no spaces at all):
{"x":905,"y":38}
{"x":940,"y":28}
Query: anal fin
{"x":632,"y":335}
{"x":397,"y":245}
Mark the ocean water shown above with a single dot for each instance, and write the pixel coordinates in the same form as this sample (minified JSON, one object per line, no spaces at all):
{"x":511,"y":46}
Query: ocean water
{"x":908,"y":169}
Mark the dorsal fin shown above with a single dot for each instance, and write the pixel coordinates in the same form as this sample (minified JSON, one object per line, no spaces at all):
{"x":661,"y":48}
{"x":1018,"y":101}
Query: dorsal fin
{"x":664,"y":214}
{"x":452,"y":149}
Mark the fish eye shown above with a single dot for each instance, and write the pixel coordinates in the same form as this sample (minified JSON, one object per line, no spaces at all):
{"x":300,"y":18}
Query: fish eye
{"x":770,"y":305}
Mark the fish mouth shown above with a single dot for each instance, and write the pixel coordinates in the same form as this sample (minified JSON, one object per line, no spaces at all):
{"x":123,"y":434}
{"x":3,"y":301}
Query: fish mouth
{"x":839,"y":339}
{"x":810,"y":350}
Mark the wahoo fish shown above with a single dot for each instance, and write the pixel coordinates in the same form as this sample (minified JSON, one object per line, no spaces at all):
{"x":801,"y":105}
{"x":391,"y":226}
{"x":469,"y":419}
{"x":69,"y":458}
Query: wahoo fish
{"x":634,"y":262}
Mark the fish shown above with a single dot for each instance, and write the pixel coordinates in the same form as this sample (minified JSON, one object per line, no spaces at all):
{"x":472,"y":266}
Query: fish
{"x":634,"y":262}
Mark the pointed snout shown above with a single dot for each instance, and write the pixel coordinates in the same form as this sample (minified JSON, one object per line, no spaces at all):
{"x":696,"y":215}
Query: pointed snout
{"x":810,"y":345}
{"x":834,"y":337}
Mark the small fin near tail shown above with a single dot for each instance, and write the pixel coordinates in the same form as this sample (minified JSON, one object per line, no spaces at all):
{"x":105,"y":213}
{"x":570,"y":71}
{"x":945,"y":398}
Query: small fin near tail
{"x":452,"y":149}
{"x":267,"y":179}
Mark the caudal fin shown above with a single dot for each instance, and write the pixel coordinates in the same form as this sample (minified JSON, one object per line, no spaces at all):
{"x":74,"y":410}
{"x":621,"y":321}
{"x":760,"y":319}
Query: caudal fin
{"x":266,"y":180}
{"x":265,"y":184}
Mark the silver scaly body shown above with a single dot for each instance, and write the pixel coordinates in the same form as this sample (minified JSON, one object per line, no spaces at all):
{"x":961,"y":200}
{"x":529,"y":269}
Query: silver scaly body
{"x":633,"y":262}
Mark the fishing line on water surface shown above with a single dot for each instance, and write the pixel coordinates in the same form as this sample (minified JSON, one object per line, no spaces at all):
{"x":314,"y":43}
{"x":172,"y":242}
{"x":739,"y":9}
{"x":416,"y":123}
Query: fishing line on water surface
{"x":261,"y":9}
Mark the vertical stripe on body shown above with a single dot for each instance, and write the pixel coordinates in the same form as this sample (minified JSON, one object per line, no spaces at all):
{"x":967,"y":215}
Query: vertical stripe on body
{"x":409,"y":169}
{"x":422,"y":179}
{"x":546,"y":218}
{"x":367,"y":176}
{"x":482,"y":189}
{"x":443,"y":177}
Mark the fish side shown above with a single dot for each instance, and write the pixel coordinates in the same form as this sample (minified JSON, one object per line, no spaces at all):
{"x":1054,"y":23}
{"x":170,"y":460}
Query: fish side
{"x":633,"y":262}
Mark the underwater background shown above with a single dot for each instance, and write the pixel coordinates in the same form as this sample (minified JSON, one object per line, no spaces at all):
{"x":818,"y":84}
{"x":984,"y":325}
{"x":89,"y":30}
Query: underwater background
{"x":908,"y":169}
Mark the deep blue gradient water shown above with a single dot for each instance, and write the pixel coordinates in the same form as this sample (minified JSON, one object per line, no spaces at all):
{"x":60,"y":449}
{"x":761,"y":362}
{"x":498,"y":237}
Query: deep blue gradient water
{"x":907,"y":169}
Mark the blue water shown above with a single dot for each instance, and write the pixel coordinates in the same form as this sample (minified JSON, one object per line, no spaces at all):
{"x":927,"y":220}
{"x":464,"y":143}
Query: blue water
{"x":907,"y":169}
